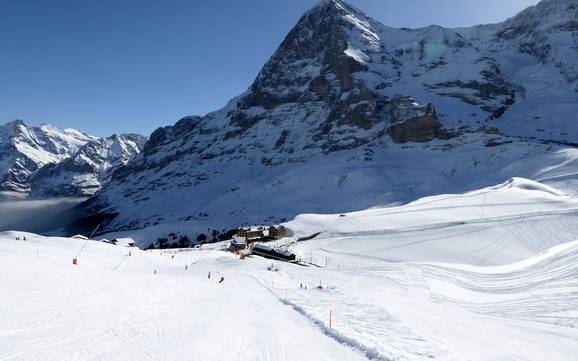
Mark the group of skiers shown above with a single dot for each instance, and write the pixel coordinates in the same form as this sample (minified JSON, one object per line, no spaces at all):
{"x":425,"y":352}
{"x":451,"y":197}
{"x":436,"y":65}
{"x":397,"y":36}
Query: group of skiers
{"x":221,"y":280}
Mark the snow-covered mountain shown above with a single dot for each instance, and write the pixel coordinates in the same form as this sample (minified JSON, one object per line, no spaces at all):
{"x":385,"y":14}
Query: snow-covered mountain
{"x":84,"y":173}
{"x":45,"y":161}
{"x":25,"y":149}
{"x":349,"y":113}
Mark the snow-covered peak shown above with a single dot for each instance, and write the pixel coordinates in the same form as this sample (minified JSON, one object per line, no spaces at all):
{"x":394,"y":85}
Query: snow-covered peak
{"x":12,"y":124}
{"x":24,"y":150}
{"x":537,"y":22}
{"x":548,"y":13}
{"x":332,"y":7}
{"x":84,"y":173}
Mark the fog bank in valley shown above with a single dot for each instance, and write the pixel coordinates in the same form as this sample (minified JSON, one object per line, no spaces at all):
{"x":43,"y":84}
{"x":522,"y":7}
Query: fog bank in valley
{"x":33,"y":215}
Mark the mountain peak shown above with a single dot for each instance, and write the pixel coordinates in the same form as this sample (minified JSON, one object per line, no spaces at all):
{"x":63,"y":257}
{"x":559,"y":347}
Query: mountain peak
{"x":340,"y":93}
{"x":335,"y":8}
{"x":316,"y":46}
{"x":540,"y":20}
{"x":14,"y":123}
{"x":330,"y":4}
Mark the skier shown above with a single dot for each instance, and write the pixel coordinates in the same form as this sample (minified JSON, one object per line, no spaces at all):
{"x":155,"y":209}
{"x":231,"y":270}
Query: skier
{"x":222,"y":280}
{"x":209,"y":276}
{"x":155,"y":271}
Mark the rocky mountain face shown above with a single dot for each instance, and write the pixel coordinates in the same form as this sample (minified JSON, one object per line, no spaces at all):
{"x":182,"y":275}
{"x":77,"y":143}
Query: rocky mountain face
{"x":24,"y":150}
{"x":349,"y":113}
{"x":84,"y":173}
{"x":45,"y":161}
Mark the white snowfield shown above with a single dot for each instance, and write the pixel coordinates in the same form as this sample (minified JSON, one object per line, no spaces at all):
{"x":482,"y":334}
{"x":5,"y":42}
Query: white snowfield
{"x":496,"y":225}
{"x":486,"y":275}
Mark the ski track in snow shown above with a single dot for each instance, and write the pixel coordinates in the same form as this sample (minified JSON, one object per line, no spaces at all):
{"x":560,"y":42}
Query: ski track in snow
{"x":403,"y":288}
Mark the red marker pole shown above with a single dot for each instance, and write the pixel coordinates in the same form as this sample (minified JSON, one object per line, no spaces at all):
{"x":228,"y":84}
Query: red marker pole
{"x":330,"y":318}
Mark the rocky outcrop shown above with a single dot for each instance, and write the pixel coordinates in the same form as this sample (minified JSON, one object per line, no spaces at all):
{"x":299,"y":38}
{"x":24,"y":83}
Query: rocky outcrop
{"x":414,"y":123}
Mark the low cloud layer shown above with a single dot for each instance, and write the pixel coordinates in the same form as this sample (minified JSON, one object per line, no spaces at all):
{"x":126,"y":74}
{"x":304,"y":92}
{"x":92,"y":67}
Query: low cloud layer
{"x":33,"y":215}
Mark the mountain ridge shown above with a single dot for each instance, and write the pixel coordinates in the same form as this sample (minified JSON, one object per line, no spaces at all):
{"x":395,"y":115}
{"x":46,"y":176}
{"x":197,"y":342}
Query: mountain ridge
{"x":342,"y":112}
{"x":26,"y":152}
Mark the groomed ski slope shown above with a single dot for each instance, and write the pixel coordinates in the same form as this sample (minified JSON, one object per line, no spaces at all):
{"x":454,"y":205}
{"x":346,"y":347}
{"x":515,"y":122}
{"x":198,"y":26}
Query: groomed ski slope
{"x":113,"y":307}
{"x":497,"y":225}
{"x":407,"y":286}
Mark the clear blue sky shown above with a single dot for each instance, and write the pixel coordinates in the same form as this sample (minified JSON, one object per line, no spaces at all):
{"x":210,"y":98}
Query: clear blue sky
{"x":106,"y":66}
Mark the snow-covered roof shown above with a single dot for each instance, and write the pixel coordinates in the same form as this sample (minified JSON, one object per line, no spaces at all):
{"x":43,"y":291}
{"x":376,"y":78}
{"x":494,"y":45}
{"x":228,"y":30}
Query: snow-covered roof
{"x":126,"y":241}
{"x":238,"y":240}
{"x":262,"y":247}
{"x":254,"y":228}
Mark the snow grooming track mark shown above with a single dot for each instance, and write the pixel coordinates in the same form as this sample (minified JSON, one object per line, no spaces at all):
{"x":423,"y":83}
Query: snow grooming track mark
{"x":370,"y":353}
{"x":545,"y":291}
{"x":388,"y":328}
{"x":441,"y":225}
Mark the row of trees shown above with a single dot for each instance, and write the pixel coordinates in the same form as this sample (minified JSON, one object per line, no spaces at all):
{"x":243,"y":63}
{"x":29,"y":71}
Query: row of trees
{"x":182,"y":241}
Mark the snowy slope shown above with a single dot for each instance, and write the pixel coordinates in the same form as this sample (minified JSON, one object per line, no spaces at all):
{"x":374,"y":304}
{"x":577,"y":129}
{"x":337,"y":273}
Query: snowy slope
{"x":171,"y":200}
{"x":421,"y":311}
{"x":423,"y":276}
{"x":349,"y":113}
{"x":25,"y":149}
{"x":84,"y":173}
{"x":496,"y":225}
{"x":113,"y":306}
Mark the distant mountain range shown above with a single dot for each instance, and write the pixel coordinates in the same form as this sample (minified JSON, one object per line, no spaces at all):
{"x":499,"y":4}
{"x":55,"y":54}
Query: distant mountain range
{"x":349,"y":113}
{"x":45,"y":161}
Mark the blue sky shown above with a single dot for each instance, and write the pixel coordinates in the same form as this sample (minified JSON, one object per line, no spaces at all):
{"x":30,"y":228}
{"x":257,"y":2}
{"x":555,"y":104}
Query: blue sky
{"x":111,"y":66}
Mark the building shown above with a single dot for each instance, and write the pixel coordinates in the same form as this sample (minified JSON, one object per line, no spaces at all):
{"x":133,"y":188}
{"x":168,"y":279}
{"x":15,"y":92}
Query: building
{"x":238,"y":244}
{"x":251,"y":234}
{"x":254,"y":234}
{"x":277,"y":232}
{"x":127,"y":242}
{"x":273,"y":253}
